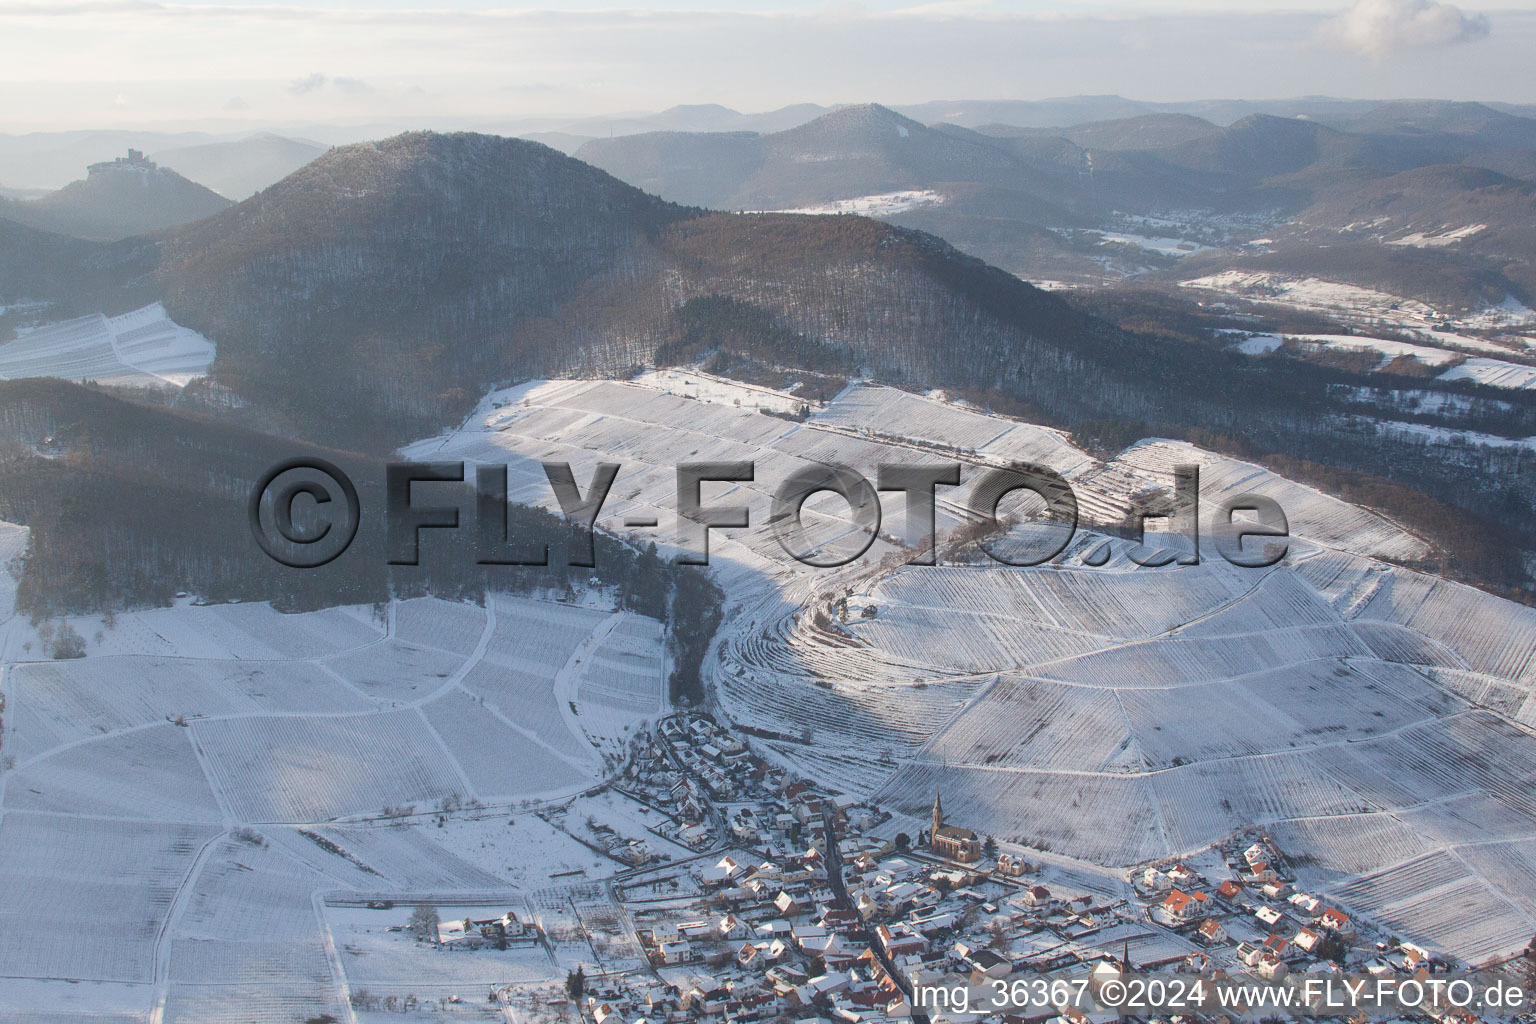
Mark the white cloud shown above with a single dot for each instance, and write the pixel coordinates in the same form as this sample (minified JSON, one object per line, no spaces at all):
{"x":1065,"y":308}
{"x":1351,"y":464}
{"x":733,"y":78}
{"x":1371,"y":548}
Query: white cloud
{"x":1379,"y":28}
{"x":479,"y":63}
{"x":315,"y":82}
{"x":309,"y":83}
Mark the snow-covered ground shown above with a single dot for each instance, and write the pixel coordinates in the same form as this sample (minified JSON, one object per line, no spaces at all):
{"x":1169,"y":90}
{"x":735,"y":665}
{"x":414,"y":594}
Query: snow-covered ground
{"x":1312,"y":293}
{"x":139,"y":349}
{"x":1436,"y":349}
{"x":1388,"y":348}
{"x":715,"y":389}
{"x":190,"y":814}
{"x":1494,"y":372}
{"x":1440,"y":238}
{"x":1367,"y":308}
{"x":1498,"y":373}
{"x":1154,"y":243}
{"x":1423,"y":432}
{"x":176,"y":806}
{"x":1511,"y":314}
{"x":882,"y":204}
{"x":1105,"y":714}
{"x":1258,"y":344}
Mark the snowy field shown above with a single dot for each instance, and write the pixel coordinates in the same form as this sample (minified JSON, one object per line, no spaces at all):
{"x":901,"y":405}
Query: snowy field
{"x":1313,"y":293}
{"x":1440,"y":238}
{"x":883,"y":204}
{"x":190,"y":815}
{"x":1365,"y":309}
{"x":1162,"y":245}
{"x":1109,"y":714}
{"x":176,"y":806}
{"x":1493,"y":372}
{"x":139,"y":349}
{"x":1498,"y":373}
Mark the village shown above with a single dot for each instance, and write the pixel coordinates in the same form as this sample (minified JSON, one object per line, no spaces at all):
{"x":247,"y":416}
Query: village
{"x":804,"y":905}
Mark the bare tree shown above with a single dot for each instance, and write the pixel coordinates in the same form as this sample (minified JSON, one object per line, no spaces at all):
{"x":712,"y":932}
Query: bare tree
{"x":424,"y":921}
{"x":68,"y":643}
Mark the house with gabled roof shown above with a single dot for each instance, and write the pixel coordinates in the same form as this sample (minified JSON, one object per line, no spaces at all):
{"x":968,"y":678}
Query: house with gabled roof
{"x":1181,"y":907}
{"x":1309,"y":905}
{"x":1211,"y":931}
{"x":1272,"y":968}
{"x":726,"y":869}
{"x":1336,"y":921}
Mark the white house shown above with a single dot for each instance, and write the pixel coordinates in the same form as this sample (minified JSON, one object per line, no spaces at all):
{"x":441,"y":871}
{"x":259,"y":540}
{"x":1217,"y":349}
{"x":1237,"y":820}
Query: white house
{"x":1306,"y":940}
{"x":1180,"y":906}
{"x":1337,"y":921}
{"x":1309,"y":905}
{"x":679,"y":952}
{"x":1211,"y":931}
{"x":1272,"y":968}
{"x":724,"y":870}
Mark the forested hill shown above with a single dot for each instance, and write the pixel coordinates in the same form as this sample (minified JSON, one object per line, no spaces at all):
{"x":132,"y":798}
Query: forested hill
{"x":385,"y":284}
{"x":372,"y":296}
{"x":130,"y":503}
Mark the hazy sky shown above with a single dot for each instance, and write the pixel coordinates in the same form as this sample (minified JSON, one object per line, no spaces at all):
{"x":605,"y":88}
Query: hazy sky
{"x":85,"y":63}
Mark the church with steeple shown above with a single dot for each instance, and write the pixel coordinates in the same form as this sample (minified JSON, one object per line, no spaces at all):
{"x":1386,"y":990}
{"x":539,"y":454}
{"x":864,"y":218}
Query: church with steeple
{"x":951,"y":841}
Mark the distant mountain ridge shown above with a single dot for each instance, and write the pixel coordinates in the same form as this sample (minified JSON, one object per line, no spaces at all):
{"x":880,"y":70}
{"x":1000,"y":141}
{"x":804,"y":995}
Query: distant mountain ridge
{"x":376,"y":294}
{"x":1133,"y":163}
{"x":1020,"y":196}
{"x":854,"y":151}
{"x":850,"y":152}
{"x":240,"y":168}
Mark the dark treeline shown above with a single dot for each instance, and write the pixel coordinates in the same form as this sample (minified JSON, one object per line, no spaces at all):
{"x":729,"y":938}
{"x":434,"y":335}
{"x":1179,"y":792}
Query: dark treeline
{"x":728,"y":331}
{"x":74,"y":277}
{"x":129,"y":504}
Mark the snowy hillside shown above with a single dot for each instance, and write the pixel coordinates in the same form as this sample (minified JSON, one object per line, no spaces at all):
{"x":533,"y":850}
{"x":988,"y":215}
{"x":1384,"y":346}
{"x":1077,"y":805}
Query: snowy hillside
{"x":195,"y":816}
{"x":1113,"y":714}
{"x":138,"y":349}
{"x":176,"y":802}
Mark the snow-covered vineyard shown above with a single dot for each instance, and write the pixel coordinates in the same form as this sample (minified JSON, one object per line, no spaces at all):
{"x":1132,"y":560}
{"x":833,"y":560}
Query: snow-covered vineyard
{"x":197,"y":815}
{"x":1368,"y":715}
{"x":178,"y":802}
{"x":138,"y":349}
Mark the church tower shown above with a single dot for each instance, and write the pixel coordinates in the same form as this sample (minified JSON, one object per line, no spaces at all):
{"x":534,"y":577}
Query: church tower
{"x":950,"y":841}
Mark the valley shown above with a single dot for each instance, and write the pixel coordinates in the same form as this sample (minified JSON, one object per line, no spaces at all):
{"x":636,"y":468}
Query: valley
{"x":648,"y":790}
